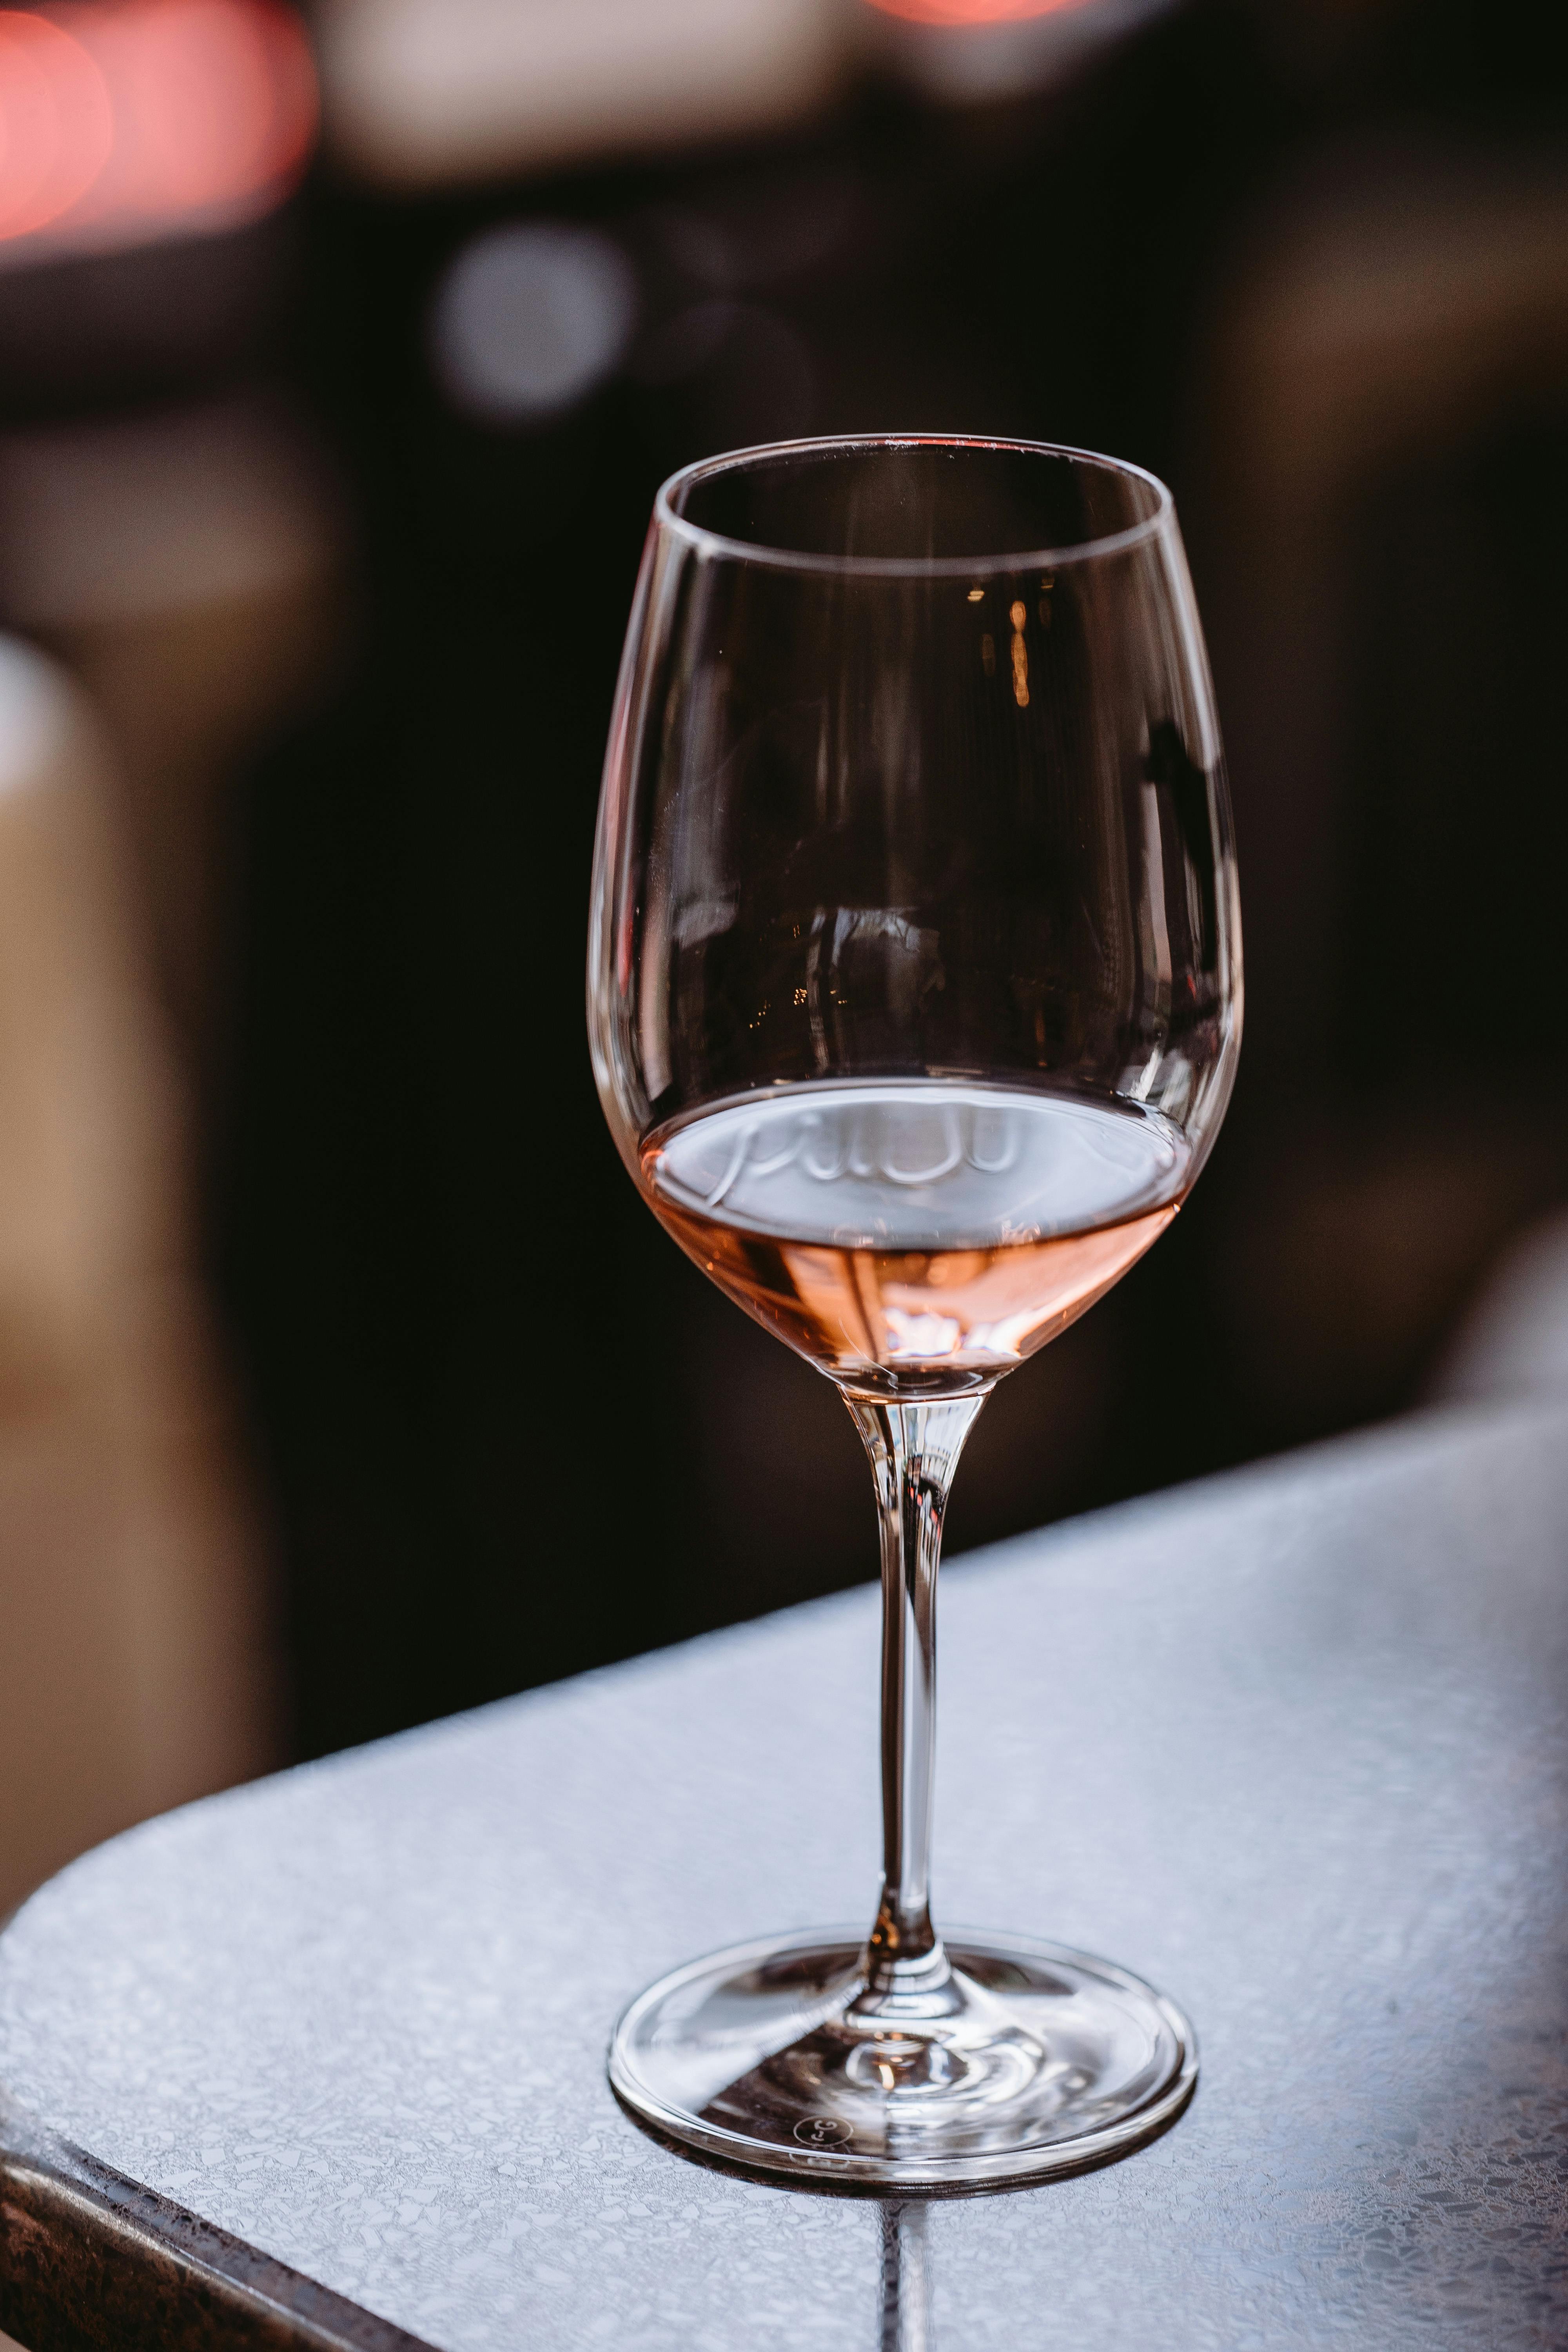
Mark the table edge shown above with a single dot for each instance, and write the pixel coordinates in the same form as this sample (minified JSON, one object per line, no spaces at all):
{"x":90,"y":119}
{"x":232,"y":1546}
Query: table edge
{"x":93,"y":2261}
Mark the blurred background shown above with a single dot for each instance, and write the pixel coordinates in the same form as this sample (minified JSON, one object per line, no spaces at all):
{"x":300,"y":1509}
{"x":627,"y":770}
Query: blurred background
{"x":344,"y":1379}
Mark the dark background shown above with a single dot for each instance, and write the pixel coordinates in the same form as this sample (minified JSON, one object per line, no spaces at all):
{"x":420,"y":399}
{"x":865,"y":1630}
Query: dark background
{"x":1307,"y":264}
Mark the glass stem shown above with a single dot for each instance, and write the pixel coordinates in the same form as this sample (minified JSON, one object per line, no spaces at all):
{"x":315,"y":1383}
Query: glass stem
{"x":914,"y":1451}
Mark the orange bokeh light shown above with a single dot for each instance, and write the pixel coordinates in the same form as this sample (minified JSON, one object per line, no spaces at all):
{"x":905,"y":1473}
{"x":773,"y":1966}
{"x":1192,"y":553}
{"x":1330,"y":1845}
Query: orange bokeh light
{"x":129,"y":119}
{"x":974,"y":12}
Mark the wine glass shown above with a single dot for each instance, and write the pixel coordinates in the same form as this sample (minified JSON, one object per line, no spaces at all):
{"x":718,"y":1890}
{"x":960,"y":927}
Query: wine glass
{"x":914,"y":993}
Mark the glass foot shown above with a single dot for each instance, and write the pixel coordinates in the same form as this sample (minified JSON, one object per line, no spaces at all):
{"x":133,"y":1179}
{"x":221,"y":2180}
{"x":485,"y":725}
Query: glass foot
{"x":1023,"y":2060}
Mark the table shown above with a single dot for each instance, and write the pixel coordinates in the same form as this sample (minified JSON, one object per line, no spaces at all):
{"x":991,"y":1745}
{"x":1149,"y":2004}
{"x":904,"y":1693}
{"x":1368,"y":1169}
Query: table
{"x":320,"y":2062}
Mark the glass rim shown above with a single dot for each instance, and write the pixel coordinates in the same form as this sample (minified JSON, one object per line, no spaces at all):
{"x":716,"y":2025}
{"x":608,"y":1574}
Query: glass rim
{"x":706,"y":543}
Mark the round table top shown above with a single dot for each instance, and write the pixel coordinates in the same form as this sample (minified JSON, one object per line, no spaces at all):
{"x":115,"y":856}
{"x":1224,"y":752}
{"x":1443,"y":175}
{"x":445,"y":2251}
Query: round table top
{"x":322,"y":2061}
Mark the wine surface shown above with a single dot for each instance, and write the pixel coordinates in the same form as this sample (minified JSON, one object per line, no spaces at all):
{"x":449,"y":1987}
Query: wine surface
{"x":916,"y":1238}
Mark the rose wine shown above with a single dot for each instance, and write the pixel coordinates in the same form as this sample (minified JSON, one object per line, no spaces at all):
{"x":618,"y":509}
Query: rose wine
{"x":916,"y":1238}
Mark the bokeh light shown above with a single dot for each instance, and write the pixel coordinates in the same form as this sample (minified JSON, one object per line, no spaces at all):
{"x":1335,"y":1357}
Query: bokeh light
{"x":530,"y":318}
{"x":57,"y":122}
{"x":975,"y":12}
{"x":127,"y":120}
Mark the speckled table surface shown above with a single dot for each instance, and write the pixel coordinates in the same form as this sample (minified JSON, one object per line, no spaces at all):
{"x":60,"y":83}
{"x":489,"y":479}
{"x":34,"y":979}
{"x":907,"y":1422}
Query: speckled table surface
{"x":1292,"y":1743}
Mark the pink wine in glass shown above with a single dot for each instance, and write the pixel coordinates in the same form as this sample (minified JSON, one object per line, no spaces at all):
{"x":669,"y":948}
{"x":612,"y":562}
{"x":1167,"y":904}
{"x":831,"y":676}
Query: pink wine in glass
{"x":916,"y":1237}
{"x":914,"y":993}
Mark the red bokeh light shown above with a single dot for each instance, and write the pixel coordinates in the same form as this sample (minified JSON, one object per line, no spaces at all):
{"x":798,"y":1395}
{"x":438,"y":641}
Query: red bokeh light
{"x":126,"y":120}
{"x":974,"y":12}
{"x":56,"y":125}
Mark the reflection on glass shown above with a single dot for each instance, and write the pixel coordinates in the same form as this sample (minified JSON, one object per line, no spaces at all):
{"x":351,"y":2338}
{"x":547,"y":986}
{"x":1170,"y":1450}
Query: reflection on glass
{"x":904,"y":2304}
{"x":915,"y":998}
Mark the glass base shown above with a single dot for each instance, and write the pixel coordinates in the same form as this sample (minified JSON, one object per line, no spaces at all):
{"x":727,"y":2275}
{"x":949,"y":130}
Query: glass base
{"x":775,"y":2055}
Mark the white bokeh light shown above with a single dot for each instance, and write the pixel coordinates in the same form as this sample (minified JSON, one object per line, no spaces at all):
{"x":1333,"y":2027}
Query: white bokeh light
{"x":530,"y":319}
